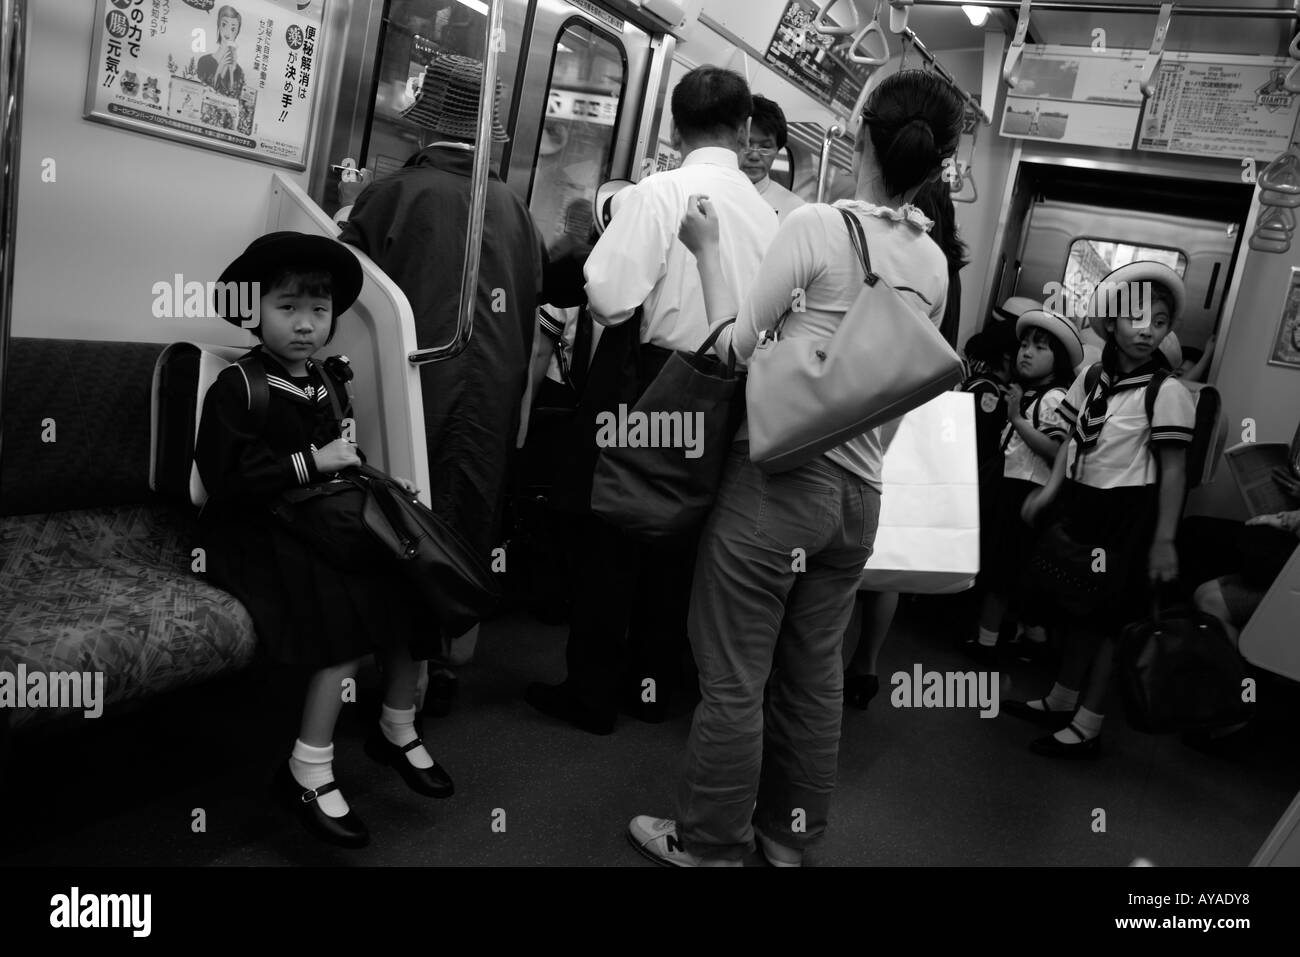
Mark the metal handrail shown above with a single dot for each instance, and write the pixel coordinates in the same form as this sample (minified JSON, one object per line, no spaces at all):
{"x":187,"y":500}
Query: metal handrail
{"x":477,"y":203}
{"x":824,"y":174}
{"x":13,"y":26}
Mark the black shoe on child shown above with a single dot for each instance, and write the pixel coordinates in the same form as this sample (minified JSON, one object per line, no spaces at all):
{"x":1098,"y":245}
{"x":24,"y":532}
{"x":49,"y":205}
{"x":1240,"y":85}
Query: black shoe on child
{"x":346,"y":831}
{"x":559,"y":701}
{"x":439,"y":695}
{"x":431,"y":782}
{"x":1048,"y":719}
{"x":1083,"y":748}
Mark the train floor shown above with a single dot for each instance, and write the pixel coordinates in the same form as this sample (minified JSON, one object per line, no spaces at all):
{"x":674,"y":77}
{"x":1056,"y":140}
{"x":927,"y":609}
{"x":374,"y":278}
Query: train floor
{"x":916,"y":786}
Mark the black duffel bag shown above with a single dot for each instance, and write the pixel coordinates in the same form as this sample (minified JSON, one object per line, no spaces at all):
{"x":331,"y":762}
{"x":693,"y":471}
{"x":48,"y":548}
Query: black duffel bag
{"x":363,"y":519}
{"x":1178,"y":671}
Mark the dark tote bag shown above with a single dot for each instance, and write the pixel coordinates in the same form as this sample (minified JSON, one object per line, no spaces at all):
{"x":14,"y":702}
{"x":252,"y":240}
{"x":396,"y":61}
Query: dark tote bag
{"x":364,"y":520}
{"x":659,"y":489}
{"x":1179,"y":672}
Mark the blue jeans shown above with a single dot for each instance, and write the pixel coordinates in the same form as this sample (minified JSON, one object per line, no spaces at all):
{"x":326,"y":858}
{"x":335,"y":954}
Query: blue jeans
{"x":778,"y":567}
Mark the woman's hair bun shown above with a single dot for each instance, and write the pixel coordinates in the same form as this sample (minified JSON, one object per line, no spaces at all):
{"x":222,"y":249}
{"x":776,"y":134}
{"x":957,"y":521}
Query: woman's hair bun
{"x":914,"y":120}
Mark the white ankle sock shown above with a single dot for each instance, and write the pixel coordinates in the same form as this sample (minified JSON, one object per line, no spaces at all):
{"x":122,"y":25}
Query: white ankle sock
{"x":1087,"y":722}
{"x":314,"y":767}
{"x":988,"y":637}
{"x":398,"y":726}
{"x":1035,"y":634}
{"x":1060,"y":698}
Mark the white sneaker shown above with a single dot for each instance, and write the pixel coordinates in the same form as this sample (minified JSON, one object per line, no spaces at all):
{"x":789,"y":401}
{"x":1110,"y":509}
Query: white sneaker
{"x":778,"y":855}
{"x":656,"y":838}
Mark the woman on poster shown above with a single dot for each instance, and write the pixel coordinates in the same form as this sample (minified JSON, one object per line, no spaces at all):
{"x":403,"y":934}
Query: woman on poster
{"x":219,"y":70}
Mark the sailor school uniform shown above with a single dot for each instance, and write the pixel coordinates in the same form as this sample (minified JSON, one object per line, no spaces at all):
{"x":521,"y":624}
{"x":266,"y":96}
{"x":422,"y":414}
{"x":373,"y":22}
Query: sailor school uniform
{"x":1110,"y":499}
{"x":305,"y":611}
{"x":1023,"y":470}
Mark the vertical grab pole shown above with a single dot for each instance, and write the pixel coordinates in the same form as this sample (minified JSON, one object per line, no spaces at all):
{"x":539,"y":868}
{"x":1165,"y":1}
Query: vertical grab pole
{"x":13,"y":28}
{"x":824,"y":175}
{"x":477,"y":201}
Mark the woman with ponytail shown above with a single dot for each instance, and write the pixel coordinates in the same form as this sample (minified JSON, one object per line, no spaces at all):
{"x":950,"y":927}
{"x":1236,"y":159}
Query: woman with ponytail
{"x":781,"y":555}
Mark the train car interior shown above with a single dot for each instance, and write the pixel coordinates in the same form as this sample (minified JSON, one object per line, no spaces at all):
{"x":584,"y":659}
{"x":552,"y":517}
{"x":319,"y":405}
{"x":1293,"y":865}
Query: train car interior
{"x":1094,"y":135}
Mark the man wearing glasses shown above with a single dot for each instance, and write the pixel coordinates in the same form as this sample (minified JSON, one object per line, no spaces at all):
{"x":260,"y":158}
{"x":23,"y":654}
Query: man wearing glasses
{"x":767,"y":137}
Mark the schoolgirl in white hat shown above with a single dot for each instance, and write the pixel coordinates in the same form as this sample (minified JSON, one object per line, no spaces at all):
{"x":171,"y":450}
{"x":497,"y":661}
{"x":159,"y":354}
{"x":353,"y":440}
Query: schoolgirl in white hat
{"x":1110,"y":534}
{"x":1050,"y":351}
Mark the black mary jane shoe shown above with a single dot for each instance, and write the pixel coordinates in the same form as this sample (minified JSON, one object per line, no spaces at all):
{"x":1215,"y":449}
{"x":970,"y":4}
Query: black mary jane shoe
{"x":431,"y":782}
{"x":860,"y":689}
{"x":1083,"y":748}
{"x":1056,"y":720}
{"x":346,"y":831}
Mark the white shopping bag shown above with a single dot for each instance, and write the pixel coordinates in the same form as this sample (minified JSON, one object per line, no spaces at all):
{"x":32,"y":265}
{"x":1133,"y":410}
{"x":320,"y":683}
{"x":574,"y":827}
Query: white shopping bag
{"x":928,"y":541}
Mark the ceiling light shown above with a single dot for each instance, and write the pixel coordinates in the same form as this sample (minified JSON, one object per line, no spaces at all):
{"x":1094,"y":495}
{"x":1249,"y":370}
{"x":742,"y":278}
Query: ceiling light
{"x":976,"y":14}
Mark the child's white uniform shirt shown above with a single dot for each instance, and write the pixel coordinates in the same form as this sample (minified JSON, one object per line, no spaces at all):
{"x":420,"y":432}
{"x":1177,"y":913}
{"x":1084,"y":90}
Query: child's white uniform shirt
{"x":1024,"y":463}
{"x":1122,"y":456}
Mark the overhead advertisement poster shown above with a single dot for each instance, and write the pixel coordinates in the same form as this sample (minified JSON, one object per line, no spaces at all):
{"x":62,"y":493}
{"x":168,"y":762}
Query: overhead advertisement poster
{"x":1217,"y":105}
{"x":1076,"y":95}
{"x":240,"y":77}
{"x":816,"y":63}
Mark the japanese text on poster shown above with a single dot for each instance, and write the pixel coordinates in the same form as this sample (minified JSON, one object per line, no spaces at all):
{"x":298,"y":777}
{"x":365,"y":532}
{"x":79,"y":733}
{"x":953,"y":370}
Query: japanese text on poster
{"x":233,"y":76}
{"x":818,"y":64}
{"x":1215,"y":105}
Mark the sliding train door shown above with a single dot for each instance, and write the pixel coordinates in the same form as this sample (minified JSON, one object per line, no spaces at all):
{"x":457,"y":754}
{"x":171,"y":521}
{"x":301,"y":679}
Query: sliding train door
{"x":581,"y":117}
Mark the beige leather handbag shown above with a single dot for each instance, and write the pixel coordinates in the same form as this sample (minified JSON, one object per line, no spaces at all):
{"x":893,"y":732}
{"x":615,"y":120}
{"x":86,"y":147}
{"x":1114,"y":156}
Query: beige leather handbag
{"x":807,"y":395}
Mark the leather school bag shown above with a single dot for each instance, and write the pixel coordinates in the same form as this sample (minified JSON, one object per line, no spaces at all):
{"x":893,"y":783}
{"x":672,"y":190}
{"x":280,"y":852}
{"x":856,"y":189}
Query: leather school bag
{"x":358,"y":520}
{"x":1179,"y":672}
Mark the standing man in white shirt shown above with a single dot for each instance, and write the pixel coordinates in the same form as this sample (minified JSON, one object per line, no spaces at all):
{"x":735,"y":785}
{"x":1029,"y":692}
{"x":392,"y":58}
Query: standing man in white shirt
{"x":768,"y":134}
{"x":628,"y":624}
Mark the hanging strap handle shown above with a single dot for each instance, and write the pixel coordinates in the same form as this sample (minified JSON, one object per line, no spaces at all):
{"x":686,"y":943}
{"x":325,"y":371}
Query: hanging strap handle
{"x":1157,"y":51}
{"x":1011,"y":68}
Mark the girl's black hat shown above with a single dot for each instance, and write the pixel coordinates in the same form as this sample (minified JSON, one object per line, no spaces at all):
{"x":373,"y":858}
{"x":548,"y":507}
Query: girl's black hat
{"x":269,"y":254}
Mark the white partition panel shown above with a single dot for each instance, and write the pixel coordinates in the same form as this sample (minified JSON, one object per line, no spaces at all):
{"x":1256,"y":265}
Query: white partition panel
{"x":376,"y":334}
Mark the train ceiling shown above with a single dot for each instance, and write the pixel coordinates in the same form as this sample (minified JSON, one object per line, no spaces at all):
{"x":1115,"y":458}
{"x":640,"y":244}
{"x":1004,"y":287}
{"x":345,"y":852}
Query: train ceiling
{"x":948,"y":28}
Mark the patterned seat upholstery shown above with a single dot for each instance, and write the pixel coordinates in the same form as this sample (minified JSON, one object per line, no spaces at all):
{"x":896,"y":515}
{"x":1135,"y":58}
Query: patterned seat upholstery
{"x":95,"y":573}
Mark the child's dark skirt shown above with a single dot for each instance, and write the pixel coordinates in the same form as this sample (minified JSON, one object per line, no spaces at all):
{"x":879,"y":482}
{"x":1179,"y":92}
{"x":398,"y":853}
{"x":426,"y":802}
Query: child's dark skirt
{"x":1012,"y":539}
{"x":1068,"y":578}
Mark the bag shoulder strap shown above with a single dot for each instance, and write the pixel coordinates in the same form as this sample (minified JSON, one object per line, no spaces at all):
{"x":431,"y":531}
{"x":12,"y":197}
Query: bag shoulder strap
{"x":859,"y":239}
{"x":333,"y":387}
{"x":259,"y":389}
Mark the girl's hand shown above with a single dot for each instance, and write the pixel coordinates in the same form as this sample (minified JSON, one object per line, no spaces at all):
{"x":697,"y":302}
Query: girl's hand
{"x":1286,"y":521}
{"x":407,"y":486}
{"x":336,"y":456}
{"x":1015,"y":392}
{"x":1162,"y":563}
{"x":699,"y":228}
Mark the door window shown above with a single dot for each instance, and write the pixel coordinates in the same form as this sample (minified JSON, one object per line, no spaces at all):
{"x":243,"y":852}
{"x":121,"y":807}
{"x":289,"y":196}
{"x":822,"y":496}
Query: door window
{"x":583,"y":97}
{"x":414,"y":31}
{"x":1090,"y":261}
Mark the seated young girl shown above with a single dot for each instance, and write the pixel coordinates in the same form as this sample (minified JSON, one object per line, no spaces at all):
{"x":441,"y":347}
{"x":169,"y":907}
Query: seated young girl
{"x":1050,"y":350}
{"x":306,"y":611}
{"x":1112,"y":534}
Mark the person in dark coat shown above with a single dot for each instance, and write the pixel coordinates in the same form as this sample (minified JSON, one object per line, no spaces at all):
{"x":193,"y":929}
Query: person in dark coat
{"x":413,"y":223}
{"x":306,"y":611}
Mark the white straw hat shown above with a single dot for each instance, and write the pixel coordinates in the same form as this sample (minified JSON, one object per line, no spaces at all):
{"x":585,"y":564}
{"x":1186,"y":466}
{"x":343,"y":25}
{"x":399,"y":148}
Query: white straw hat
{"x":1138,"y":272}
{"x":1058,"y":326}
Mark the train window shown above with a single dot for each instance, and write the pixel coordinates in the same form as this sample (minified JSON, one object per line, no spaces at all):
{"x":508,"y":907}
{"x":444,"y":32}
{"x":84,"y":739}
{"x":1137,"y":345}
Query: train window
{"x":414,"y":30}
{"x":583,"y":95}
{"x":1090,"y":260}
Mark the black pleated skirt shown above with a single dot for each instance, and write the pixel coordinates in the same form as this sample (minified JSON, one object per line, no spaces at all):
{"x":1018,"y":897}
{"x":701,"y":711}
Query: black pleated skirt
{"x":306,"y":611}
